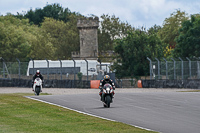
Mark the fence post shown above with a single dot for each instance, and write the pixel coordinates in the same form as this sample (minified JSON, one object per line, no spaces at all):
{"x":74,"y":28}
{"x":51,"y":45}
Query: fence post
{"x":87,"y":68}
{"x":198,"y":69}
{"x":174,"y":68}
{"x":3,"y":67}
{"x":158,"y":68}
{"x":19,"y":66}
{"x":33,"y":65}
{"x":189,"y":67}
{"x":99,"y":60}
{"x":166,"y":68}
{"x":74,"y":71}
{"x":60,"y":69}
{"x":150,"y":67}
{"x":181,"y":66}
{"x":47,"y":69}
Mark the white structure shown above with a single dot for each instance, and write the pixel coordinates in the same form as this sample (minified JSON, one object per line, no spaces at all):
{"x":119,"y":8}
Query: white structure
{"x":93,"y":65}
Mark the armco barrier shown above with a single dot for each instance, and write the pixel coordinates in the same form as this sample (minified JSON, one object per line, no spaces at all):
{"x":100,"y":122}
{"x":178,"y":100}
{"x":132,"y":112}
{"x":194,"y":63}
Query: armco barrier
{"x":47,"y":83}
{"x":189,"y":83}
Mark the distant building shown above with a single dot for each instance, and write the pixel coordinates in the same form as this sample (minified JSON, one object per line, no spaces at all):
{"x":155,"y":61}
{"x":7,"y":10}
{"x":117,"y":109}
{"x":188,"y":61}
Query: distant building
{"x":88,"y":28}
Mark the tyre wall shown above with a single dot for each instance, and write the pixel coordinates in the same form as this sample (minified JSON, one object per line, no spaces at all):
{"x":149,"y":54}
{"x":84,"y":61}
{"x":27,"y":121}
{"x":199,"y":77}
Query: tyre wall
{"x":189,"y":83}
{"x":47,"y":84}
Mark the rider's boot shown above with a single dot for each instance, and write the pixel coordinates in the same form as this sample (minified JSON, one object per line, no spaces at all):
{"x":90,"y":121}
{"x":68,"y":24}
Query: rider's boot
{"x":100,"y":94}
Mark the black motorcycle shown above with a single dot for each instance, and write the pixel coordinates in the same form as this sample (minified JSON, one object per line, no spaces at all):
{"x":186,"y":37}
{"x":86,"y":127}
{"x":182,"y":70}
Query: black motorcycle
{"x":107,"y":95}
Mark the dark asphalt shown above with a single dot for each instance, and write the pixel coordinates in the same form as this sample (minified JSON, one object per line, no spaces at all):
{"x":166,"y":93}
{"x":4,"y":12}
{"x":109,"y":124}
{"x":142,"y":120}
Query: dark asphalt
{"x":166,"y":112}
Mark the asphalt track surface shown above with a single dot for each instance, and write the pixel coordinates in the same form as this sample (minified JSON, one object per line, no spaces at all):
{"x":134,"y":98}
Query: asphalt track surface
{"x":166,"y":112}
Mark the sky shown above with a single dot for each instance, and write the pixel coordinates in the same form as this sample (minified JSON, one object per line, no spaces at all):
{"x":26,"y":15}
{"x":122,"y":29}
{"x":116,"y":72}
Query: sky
{"x":137,"y":13}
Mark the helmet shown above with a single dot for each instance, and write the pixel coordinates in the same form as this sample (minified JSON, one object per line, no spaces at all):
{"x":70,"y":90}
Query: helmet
{"x":38,"y":72}
{"x":106,"y":77}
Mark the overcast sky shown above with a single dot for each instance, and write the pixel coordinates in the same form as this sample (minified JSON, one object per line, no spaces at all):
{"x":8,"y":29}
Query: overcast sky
{"x":136,"y":12}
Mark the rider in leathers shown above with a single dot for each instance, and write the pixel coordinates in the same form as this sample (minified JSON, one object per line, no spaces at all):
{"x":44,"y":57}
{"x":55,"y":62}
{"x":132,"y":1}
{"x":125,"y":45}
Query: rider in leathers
{"x":103,"y":82}
{"x":37,"y":75}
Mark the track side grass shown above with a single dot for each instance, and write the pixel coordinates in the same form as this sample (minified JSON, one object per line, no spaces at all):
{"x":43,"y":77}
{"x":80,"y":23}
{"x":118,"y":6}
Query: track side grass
{"x":197,"y":90}
{"x":22,"y":115}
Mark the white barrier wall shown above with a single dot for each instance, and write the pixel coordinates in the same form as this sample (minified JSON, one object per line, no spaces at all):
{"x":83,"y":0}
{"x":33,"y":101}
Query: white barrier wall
{"x":93,"y":65}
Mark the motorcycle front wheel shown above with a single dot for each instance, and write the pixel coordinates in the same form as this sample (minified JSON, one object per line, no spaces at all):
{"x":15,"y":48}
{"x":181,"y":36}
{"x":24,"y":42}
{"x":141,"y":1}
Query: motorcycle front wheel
{"x":37,"y":90}
{"x":108,"y":100}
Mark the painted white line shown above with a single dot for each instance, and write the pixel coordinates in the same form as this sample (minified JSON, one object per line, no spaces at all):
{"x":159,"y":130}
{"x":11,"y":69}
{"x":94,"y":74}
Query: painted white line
{"x":84,"y":112}
{"x":69,"y":108}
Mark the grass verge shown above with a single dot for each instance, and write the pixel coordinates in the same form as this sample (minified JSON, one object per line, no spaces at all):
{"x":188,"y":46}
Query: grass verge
{"x":22,"y":115}
{"x":191,"y":91}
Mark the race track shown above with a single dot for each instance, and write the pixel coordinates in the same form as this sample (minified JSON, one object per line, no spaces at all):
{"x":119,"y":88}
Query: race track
{"x":166,"y":112}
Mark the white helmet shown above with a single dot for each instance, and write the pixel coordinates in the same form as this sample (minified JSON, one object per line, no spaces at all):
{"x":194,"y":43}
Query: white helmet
{"x":38,"y":72}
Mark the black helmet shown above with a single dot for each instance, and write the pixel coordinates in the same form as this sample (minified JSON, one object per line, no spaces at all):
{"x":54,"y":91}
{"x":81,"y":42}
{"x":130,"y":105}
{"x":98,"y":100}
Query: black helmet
{"x":106,"y":77}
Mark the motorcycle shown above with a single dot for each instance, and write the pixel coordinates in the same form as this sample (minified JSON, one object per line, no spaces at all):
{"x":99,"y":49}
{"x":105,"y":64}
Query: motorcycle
{"x":37,"y":86}
{"x":107,"y":95}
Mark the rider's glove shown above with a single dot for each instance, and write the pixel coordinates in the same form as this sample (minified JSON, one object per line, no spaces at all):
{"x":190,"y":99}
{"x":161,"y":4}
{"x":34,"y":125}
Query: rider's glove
{"x":100,"y":87}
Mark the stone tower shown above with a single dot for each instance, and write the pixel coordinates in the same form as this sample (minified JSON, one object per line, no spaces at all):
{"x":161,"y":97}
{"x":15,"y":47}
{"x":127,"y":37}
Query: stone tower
{"x":88,"y":37}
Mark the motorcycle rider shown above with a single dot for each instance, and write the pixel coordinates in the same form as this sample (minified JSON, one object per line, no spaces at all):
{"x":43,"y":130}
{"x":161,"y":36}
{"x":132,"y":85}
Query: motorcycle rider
{"x":37,"y":75}
{"x":105,"y":81}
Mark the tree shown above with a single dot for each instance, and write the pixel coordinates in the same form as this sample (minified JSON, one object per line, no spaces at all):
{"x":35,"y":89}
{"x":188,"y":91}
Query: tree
{"x":154,"y":30}
{"x":80,"y":74}
{"x":19,"y":39}
{"x":15,"y":38}
{"x":111,"y":28}
{"x":188,"y":41}
{"x":154,"y":42}
{"x":54,"y":11}
{"x":170,"y":29}
{"x":65,"y":38}
{"x":42,"y":48}
{"x":57,"y":35}
{"x":133,"y":51}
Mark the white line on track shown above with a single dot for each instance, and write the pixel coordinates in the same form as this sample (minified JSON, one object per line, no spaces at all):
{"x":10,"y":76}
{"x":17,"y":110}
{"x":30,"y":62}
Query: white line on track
{"x":84,"y":112}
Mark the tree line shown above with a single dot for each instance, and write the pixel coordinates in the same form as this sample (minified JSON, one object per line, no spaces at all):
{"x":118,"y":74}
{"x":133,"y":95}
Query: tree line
{"x":51,"y":33}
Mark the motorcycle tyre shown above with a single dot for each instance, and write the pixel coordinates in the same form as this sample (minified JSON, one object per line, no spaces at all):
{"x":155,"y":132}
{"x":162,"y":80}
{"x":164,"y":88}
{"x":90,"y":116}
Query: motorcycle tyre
{"x":108,"y":101}
{"x":37,"y":90}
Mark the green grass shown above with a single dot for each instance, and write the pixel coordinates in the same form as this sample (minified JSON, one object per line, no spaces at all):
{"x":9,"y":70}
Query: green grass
{"x":22,"y":115}
{"x":191,"y":91}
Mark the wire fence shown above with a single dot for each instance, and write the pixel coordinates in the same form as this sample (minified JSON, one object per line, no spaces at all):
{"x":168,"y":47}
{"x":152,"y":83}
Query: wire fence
{"x":86,"y":70}
{"x":53,"y":71}
{"x":22,"y":70}
{"x":174,"y":69}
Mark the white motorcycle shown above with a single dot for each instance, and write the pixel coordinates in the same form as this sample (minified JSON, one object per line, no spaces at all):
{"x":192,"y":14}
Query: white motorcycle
{"x":37,"y":86}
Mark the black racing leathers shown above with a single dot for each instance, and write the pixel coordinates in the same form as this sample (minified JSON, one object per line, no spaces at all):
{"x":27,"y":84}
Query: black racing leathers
{"x":38,"y":76}
{"x":103,"y":82}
